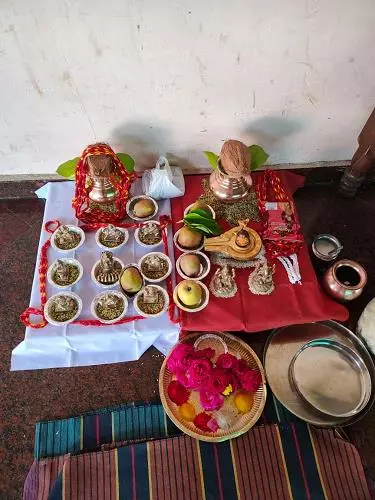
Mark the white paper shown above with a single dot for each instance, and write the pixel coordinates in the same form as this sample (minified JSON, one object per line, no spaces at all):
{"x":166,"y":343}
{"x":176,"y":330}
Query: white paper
{"x":75,"y":345}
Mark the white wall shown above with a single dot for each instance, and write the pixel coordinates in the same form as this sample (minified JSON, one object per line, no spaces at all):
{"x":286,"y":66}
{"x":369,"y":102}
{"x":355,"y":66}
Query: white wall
{"x":153,"y":76}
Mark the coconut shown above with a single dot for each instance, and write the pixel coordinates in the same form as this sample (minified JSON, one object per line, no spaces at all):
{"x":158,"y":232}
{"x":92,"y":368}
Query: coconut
{"x":235,"y":158}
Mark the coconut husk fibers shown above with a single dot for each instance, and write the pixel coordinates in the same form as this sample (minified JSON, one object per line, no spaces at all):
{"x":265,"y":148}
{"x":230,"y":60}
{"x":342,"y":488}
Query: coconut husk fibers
{"x":235,"y":158}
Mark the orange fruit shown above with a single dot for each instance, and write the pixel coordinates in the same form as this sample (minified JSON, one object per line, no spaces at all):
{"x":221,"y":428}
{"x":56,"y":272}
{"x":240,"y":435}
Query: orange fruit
{"x":187,"y":412}
{"x":243,"y":401}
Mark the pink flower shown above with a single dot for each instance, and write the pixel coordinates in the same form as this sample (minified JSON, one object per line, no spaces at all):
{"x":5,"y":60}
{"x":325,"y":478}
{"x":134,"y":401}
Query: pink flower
{"x":212,"y":425}
{"x":198,"y":372}
{"x":217,"y":381}
{"x":250,"y":380}
{"x":181,"y":377}
{"x":211,"y":400}
{"x":180,"y":357}
{"x":240,"y":368}
{"x":177,"y":393}
{"x":233,"y":381}
{"x":205,"y":353}
{"x":205,"y":422}
{"x":226,"y":361}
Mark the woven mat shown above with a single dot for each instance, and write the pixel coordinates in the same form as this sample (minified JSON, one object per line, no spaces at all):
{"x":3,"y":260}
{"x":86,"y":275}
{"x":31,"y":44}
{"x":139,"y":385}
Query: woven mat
{"x":277,"y":460}
{"x":128,"y":422}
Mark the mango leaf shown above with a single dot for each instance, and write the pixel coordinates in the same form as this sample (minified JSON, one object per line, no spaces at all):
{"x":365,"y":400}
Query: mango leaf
{"x":258,"y":156}
{"x":193,"y":216}
{"x":202,"y":224}
{"x":68,"y":169}
{"x":212,"y":158}
{"x":201,"y":229}
{"x":202,"y":212}
{"x":127,"y":161}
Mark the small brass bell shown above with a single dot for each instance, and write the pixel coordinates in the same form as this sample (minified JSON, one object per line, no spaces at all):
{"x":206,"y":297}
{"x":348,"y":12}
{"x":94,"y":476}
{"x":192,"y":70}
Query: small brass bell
{"x":100,"y":169}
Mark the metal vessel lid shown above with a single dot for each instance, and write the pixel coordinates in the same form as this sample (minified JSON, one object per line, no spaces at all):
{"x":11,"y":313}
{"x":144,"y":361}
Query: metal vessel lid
{"x":326,"y":247}
{"x":331,"y":377}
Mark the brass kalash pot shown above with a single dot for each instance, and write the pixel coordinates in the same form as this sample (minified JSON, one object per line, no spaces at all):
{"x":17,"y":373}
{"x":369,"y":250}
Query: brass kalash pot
{"x":102,"y":185}
{"x":100,"y":169}
{"x":231,"y":181}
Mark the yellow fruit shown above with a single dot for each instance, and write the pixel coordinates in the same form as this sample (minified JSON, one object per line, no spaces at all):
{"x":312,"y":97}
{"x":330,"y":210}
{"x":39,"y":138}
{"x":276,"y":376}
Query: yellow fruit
{"x":188,"y":238}
{"x":189,"y":292}
{"x":143,"y":208}
{"x":131,"y":280}
{"x":190,"y":264}
{"x":187,"y":412}
{"x":243,"y":401}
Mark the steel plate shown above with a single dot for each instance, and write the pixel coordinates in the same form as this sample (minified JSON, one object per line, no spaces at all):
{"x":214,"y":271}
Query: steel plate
{"x":281,"y":348}
{"x":331,"y":377}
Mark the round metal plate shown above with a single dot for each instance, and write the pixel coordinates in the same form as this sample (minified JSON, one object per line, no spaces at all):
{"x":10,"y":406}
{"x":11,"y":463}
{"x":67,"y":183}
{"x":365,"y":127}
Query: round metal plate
{"x":331,"y":377}
{"x":280,"y":350}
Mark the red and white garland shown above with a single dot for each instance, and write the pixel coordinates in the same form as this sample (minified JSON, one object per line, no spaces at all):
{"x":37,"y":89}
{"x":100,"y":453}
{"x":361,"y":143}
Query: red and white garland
{"x":51,"y":227}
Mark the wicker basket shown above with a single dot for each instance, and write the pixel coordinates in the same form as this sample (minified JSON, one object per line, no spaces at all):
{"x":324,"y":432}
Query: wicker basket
{"x":241,"y":423}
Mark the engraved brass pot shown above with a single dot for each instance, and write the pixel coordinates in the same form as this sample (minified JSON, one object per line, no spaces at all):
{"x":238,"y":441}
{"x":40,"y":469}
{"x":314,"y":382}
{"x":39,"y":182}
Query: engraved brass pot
{"x":227,"y":188}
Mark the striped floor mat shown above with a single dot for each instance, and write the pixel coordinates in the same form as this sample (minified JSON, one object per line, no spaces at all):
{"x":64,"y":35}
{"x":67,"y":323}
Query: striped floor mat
{"x":135,"y":452}
{"x":128,"y":422}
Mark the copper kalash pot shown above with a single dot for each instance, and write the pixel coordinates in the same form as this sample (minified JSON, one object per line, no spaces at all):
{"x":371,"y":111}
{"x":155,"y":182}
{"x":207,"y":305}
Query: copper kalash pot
{"x":102,"y":185}
{"x":100,"y":169}
{"x":345,"y":280}
{"x":228,"y":188}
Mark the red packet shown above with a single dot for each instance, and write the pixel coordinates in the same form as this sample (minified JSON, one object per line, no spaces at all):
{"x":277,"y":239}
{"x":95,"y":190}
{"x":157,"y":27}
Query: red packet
{"x":281,"y":230}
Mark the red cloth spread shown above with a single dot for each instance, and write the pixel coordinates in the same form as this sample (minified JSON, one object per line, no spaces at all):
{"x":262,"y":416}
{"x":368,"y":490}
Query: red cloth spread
{"x":288,"y":304}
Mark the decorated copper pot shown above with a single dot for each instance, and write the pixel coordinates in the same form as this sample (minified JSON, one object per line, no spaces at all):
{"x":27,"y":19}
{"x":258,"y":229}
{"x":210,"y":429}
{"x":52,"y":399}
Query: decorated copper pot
{"x":345,"y":280}
{"x":227,"y":188}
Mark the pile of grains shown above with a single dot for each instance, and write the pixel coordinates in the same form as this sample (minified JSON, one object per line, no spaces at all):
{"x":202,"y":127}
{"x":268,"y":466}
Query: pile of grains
{"x":150,"y":238}
{"x":65,"y":315}
{"x":111,"y":244}
{"x":68,"y":245}
{"x":247,"y":208}
{"x":73,"y":275}
{"x":151,"y":272}
{"x":154,"y":308}
{"x":109,"y":207}
{"x":110,"y":313}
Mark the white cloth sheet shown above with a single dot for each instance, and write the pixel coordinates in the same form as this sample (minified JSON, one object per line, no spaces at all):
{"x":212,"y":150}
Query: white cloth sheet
{"x":75,"y":345}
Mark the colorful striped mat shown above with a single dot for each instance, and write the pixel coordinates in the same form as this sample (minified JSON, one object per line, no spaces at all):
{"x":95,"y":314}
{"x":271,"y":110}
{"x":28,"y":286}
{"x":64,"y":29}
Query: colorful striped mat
{"x":288,"y":461}
{"x":134,"y":451}
{"x":128,"y":422}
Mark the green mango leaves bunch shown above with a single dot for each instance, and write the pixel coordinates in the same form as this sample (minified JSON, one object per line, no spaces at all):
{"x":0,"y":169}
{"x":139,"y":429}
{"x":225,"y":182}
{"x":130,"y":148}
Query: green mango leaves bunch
{"x":258,"y":157}
{"x":201,"y":220}
{"x":68,"y":168}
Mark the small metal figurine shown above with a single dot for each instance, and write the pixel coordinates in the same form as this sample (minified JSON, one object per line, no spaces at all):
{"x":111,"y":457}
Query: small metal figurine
{"x":111,"y":236}
{"x":150,"y":231}
{"x":64,"y":304}
{"x":154,"y":263}
{"x":261,"y":279}
{"x":150,"y":295}
{"x":62,"y":274}
{"x":222,"y":283}
{"x":108,"y":270}
{"x":110,"y":301}
{"x":65,"y":238}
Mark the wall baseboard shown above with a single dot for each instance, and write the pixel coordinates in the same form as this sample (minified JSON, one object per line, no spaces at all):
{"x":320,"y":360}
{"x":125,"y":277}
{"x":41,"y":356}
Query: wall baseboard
{"x":190,"y":171}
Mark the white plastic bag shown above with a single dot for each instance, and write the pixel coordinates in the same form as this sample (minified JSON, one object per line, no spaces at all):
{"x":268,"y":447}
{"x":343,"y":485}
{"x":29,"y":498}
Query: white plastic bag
{"x":163,"y":181}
